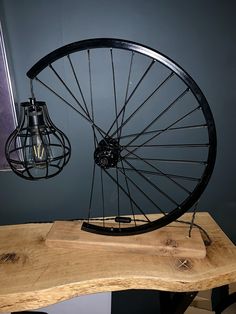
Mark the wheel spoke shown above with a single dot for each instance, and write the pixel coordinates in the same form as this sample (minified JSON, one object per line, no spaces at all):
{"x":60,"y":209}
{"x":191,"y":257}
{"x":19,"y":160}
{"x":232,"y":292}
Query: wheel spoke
{"x":168,"y":145}
{"x":169,"y":176}
{"x":131,"y":95}
{"x":68,"y":89}
{"x":102,"y":133}
{"x":114,"y":88}
{"x":91,"y":192}
{"x":103,"y":198}
{"x":123,"y":190}
{"x":128,"y":190}
{"x":143,"y":103}
{"x":187,"y":127}
{"x":167,"y":128}
{"x":91,"y":99}
{"x":118,"y":195}
{"x":78,"y":84}
{"x":152,"y":184}
{"x":182,"y":161}
{"x":123,"y":171}
{"x":160,"y":114}
{"x":126,"y":93}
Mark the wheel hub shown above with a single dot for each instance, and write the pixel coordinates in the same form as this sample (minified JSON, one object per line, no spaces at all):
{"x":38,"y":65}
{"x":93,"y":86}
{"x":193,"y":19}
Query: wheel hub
{"x":107,"y":153}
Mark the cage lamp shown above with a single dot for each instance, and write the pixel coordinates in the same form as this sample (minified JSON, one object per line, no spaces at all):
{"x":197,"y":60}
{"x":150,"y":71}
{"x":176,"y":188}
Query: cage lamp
{"x":37,"y":149}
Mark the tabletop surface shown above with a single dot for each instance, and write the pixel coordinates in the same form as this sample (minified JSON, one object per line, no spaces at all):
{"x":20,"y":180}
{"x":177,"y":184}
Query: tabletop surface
{"x":33,"y":275}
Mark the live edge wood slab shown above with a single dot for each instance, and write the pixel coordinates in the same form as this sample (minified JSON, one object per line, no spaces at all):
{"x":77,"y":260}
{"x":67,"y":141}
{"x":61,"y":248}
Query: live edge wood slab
{"x":33,"y":275}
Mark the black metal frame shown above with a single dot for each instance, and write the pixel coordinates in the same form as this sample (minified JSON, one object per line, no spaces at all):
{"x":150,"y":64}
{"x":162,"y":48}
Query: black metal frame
{"x":221,"y":299}
{"x":176,"y":302}
{"x":29,"y":312}
{"x":151,"y":302}
{"x":191,"y":86}
{"x":169,"y":302}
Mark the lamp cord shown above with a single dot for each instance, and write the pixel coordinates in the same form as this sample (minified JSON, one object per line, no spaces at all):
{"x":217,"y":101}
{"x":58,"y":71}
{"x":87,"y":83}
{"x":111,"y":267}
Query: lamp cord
{"x":193,"y":219}
{"x":192,"y":224}
{"x":32,"y":89}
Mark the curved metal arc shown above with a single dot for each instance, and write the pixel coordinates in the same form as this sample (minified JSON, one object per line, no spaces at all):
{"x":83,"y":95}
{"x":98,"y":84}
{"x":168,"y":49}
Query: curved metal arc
{"x":92,"y":44}
{"x":122,"y":44}
{"x":154,"y":54}
{"x":133,"y":46}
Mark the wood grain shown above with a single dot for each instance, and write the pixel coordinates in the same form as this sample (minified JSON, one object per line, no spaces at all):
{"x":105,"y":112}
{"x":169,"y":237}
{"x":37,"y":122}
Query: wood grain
{"x":33,"y":275}
{"x":167,"y":241}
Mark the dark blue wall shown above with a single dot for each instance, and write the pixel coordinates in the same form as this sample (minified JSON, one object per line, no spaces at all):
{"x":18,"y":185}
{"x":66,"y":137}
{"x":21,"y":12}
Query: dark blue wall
{"x":199,"y":35}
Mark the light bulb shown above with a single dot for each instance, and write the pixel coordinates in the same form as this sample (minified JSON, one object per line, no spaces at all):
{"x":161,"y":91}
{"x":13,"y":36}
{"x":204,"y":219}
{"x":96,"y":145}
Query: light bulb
{"x":40,"y":152}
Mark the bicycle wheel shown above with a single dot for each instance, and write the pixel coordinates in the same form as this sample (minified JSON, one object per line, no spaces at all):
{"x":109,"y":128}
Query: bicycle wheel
{"x":151,"y":135}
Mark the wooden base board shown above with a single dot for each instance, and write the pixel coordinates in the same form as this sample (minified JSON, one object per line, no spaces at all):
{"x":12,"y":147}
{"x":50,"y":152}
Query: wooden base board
{"x":167,"y":241}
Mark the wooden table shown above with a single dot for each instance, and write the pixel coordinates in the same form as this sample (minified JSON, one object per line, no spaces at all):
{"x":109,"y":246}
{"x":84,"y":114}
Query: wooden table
{"x":33,"y":275}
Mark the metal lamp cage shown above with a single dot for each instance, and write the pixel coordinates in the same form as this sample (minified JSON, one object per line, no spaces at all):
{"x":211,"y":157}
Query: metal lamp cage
{"x":37,"y":148}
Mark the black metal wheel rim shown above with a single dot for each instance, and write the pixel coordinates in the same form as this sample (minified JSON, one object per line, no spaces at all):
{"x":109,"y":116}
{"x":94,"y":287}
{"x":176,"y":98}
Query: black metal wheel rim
{"x":158,"y":148}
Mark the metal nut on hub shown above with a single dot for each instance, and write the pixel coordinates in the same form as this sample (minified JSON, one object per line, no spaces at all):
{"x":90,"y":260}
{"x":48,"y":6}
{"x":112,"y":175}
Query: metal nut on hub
{"x":107,"y":153}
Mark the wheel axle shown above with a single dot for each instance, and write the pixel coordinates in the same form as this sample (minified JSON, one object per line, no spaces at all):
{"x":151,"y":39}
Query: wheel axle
{"x":107,"y":153}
